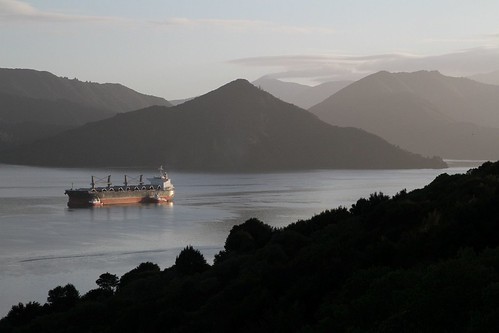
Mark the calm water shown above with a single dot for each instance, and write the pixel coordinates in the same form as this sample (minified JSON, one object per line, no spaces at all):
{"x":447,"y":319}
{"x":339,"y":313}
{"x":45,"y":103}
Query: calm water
{"x":44,"y":244}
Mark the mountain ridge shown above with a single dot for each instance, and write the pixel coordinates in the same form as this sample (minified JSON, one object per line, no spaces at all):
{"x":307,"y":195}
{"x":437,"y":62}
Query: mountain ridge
{"x":300,"y":95}
{"x":37,"y":104}
{"x":421,"y":111}
{"x":487,"y":78}
{"x":45,"y":85}
{"x":236,"y":127}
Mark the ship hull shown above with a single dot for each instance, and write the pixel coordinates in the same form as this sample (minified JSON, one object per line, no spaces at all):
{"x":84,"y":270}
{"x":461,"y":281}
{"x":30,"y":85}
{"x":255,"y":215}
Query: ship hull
{"x":88,"y":198}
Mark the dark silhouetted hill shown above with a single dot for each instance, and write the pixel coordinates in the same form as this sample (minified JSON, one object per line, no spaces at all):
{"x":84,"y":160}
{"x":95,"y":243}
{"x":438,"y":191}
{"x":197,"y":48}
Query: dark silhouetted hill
{"x":237,"y":127}
{"x":423,"y":261}
{"x":299,"y":94}
{"x":44,"y":85}
{"x":424,"y":112}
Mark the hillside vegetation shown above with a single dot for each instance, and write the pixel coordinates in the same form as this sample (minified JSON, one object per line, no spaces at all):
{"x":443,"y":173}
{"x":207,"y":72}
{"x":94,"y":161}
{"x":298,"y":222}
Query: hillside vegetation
{"x":423,"y":261}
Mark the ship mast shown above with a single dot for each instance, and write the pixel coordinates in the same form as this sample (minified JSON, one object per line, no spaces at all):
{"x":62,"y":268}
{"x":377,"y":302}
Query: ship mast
{"x":162,"y":172}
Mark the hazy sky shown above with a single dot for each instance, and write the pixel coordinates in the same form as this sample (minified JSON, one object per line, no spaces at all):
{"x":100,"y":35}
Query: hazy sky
{"x":177,"y":49}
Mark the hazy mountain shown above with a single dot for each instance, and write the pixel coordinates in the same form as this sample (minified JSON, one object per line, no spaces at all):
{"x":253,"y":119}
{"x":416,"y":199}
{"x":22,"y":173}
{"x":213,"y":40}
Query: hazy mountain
{"x":424,"y":112}
{"x":24,"y":119}
{"x":14,"y":134}
{"x":299,"y":94}
{"x":44,"y":85}
{"x":488,"y":78}
{"x":15,"y":109}
{"x":36,"y":104}
{"x":237,"y":127}
{"x":180,"y":101}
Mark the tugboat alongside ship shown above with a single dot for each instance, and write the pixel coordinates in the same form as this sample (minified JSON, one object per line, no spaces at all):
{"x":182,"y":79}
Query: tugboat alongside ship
{"x":159,"y":190}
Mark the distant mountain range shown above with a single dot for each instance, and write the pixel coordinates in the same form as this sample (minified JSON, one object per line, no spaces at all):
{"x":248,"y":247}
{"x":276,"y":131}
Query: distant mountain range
{"x":180,"y":101}
{"x":424,"y":112}
{"x":36,"y":104}
{"x":299,"y":94}
{"x":237,"y":127}
{"x":488,"y":78}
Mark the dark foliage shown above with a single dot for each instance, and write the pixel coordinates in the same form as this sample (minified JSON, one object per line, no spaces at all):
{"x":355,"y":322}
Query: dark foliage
{"x":421,"y":261}
{"x":142,"y":271}
{"x":190,"y":261}
{"x":249,"y":236}
{"x":61,"y":298}
{"x":20,"y":314}
{"x":107,"y":281}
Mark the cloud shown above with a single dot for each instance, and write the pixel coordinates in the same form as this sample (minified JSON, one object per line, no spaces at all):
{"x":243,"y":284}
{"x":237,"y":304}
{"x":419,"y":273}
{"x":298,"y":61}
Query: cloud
{"x":19,"y":11}
{"x":328,"y":67}
{"x":242,"y":25}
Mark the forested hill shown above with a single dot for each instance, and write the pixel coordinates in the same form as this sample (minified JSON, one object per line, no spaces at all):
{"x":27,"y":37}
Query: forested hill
{"x":423,"y":261}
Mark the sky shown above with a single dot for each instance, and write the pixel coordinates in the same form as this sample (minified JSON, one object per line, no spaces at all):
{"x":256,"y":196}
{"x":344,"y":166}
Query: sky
{"x":180,"y":49}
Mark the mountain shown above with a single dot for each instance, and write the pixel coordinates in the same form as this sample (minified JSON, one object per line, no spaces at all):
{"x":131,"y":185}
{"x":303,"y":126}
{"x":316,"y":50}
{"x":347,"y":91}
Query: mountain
{"x":35,"y":104}
{"x":15,"y":109}
{"x":299,"y":94}
{"x":24,"y":119}
{"x":45,"y":85}
{"x":424,"y":112}
{"x":180,"y":101}
{"x":488,"y":78}
{"x":237,"y":127}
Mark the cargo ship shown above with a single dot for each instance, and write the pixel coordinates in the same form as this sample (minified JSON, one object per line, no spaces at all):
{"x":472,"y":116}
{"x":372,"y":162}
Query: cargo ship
{"x":159,"y":190}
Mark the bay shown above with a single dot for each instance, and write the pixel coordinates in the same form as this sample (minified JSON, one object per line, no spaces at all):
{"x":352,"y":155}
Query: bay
{"x":44,"y":244}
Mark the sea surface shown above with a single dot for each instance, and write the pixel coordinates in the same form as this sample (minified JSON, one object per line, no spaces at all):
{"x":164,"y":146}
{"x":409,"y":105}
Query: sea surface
{"x":44,"y":244}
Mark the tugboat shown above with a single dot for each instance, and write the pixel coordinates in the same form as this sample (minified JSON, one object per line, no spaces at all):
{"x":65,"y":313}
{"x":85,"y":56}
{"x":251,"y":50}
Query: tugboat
{"x":159,"y":190}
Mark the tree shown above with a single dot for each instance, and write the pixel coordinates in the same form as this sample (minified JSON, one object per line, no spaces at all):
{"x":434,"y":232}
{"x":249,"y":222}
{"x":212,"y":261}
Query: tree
{"x":248,"y":236}
{"x":21,"y":313}
{"x":62,"y":297}
{"x":190,"y":261}
{"x":107,"y":281}
{"x":144,"y":270}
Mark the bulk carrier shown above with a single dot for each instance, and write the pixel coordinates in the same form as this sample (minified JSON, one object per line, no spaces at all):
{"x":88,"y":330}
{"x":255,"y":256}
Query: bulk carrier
{"x":159,"y":190}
